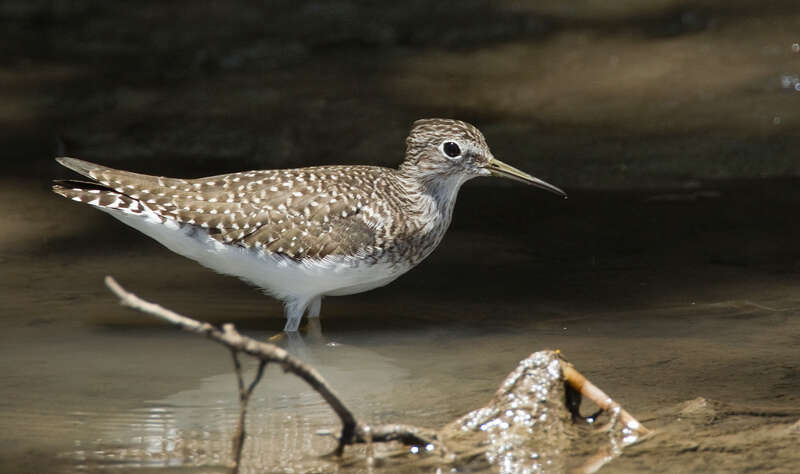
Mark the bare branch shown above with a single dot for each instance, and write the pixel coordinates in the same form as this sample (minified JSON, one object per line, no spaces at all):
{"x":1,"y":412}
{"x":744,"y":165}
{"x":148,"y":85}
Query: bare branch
{"x":260,"y":350}
{"x":352,"y":429}
{"x":238,"y":369}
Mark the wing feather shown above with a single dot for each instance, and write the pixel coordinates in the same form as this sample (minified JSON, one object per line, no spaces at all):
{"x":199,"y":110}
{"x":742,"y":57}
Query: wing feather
{"x":301,"y":213}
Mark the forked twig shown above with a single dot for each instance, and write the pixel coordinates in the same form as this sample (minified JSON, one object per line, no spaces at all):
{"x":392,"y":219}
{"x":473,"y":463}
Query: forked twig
{"x":352,"y":430}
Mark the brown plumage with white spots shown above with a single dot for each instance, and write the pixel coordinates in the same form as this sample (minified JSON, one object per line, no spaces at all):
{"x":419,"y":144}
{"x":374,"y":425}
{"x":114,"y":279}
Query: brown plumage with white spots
{"x":301,"y":234}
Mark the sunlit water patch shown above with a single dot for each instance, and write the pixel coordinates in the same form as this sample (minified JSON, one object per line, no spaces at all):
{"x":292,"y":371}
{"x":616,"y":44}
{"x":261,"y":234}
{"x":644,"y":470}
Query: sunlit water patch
{"x":194,"y":428}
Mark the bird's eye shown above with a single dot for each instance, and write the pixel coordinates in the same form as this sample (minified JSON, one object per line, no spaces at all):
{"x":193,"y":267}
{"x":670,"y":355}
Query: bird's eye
{"x":451,"y":149}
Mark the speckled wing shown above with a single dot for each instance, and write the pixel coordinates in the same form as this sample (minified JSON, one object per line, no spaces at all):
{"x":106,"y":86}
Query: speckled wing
{"x":301,"y":213}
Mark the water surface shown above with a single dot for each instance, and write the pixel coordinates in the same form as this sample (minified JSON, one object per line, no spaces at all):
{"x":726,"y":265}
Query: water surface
{"x":689,"y":305}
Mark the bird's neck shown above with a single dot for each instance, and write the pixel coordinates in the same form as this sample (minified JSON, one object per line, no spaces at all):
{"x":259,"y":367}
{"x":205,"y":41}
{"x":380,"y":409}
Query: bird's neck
{"x":434,"y":194}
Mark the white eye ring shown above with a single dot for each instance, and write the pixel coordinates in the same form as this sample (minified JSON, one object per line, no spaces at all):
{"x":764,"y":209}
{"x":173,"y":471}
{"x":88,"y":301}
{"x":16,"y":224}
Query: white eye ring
{"x":450,"y":149}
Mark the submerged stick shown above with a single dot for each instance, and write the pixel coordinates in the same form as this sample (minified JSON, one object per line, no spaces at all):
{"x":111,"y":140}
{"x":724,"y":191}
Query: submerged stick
{"x":403,"y":433}
{"x":244,"y":399}
{"x":582,"y":385}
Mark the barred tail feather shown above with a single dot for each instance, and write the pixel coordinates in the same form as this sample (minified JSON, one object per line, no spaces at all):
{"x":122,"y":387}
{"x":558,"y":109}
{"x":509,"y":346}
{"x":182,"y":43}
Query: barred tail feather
{"x":98,"y":196}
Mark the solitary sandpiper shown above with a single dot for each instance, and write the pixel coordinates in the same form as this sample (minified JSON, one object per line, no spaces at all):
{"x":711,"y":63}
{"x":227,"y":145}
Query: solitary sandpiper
{"x":301,"y":234}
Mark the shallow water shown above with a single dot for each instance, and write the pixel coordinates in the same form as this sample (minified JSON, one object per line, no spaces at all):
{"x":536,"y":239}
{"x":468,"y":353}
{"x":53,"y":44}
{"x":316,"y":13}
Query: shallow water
{"x":88,"y":385}
{"x":669,"y":278}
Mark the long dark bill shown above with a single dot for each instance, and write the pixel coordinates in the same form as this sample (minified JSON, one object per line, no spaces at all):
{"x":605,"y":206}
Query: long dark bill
{"x":498,"y":168}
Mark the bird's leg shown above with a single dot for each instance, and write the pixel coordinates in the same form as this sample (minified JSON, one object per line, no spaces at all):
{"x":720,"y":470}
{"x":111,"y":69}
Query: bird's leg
{"x":294,"y":310}
{"x":313,"y":327}
{"x":314,"y":307}
{"x":294,"y":313}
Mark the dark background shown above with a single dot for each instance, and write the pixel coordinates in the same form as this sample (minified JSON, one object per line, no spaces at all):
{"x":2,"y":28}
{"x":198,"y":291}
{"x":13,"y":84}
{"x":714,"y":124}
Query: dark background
{"x":587,"y":94}
{"x":672,"y":124}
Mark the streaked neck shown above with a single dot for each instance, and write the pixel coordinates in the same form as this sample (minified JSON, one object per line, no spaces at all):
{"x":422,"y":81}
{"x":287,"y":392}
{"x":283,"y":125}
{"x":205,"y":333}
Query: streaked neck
{"x":436,"y":191}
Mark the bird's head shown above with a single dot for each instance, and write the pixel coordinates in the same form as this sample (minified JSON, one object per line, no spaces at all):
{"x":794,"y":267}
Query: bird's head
{"x":445,"y":148}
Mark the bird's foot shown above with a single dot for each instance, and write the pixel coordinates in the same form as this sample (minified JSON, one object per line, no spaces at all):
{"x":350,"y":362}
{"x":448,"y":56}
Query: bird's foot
{"x":312,"y":329}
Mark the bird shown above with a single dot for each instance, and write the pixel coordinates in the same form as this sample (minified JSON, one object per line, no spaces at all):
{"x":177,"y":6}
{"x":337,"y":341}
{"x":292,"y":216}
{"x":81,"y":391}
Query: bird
{"x":305,"y":233}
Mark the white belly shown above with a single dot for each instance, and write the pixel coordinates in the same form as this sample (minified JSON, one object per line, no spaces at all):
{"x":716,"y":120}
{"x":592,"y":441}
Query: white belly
{"x":279,"y":276}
